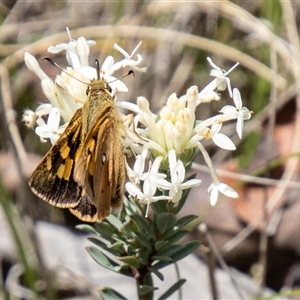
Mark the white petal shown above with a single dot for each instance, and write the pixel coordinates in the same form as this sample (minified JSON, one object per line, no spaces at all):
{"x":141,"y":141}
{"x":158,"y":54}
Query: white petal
{"x":223,"y":141}
{"x":177,"y":196}
{"x":190,"y":183}
{"x":107,"y":65}
{"x":237,"y":98}
{"x":245,"y":113}
{"x":34,"y":66}
{"x":227,"y":190}
{"x":54,"y":118}
{"x":58,"y":48}
{"x":213,"y":196}
{"x":239,"y":126}
{"x":230,"y":111}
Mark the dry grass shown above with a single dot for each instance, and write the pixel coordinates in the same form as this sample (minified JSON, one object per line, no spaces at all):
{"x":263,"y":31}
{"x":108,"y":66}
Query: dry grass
{"x":177,"y":37}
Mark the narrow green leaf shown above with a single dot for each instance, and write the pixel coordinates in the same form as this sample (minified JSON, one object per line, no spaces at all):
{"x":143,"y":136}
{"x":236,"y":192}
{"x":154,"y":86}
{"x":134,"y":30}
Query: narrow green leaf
{"x":115,"y":222}
{"x":175,"y":287}
{"x":159,"y":207}
{"x":143,"y":240}
{"x":157,"y":273}
{"x":145,"y":224}
{"x":102,"y":245}
{"x":106,"y":231}
{"x":164,"y":221}
{"x":108,"y":293}
{"x":87,"y":228}
{"x":106,"y":262}
{"x":177,"y":252}
{"x":118,"y":247}
{"x":169,"y":250}
{"x":160,"y":244}
{"x":187,"y":249}
{"x":174,"y":236}
{"x":130,"y":260}
{"x":129,"y":227}
{"x":143,"y":255}
{"x":146,"y":289}
{"x":185,"y":220}
{"x":161,"y":258}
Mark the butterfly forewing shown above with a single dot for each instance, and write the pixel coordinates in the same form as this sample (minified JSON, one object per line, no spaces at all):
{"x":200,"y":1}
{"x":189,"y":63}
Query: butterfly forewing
{"x":100,"y":168}
{"x":52,"y":180}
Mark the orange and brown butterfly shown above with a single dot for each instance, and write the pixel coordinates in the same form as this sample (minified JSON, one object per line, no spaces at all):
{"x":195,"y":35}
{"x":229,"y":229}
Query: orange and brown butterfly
{"x":84,"y":170}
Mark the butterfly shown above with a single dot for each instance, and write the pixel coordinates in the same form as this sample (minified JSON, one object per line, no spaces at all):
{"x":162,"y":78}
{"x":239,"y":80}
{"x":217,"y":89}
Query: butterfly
{"x":84,"y":170}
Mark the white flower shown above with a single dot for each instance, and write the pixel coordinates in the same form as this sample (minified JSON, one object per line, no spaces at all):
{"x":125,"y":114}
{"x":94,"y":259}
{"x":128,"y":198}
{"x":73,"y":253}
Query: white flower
{"x":146,"y":194}
{"x":136,"y":174}
{"x":223,"y":188}
{"x":220,"y":139}
{"x":51,"y":130}
{"x":29,"y":118}
{"x":128,"y":61}
{"x":238,"y":112}
{"x":220,"y":82}
{"x":77,"y":52}
{"x":216,"y":185}
{"x":177,"y":175}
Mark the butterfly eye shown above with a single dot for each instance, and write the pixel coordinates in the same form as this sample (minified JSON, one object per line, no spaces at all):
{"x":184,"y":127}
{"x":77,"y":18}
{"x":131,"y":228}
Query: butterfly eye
{"x":87,"y":90}
{"x":109,"y":88}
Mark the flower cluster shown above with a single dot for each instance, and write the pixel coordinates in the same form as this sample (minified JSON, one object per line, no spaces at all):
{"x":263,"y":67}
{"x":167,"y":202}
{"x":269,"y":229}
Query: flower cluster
{"x":170,"y":138}
{"x":174,"y":133}
{"x":68,"y":92}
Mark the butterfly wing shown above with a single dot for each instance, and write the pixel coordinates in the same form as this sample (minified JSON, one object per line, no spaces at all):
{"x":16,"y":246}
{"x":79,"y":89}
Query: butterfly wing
{"x":53,"y":180}
{"x":100,"y":168}
{"x":85,"y":210}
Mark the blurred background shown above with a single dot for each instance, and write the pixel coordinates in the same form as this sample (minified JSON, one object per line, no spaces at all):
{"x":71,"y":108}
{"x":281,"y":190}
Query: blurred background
{"x":258,"y":233}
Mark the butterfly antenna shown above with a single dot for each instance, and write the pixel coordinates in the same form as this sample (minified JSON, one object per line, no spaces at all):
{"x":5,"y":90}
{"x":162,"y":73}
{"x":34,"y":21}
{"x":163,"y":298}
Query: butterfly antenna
{"x":52,"y":62}
{"x":97,"y":68}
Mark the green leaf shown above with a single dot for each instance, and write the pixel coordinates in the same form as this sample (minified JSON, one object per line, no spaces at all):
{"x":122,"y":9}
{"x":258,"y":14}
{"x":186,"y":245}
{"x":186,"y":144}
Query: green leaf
{"x":175,"y":287}
{"x":161,"y":258}
{"x":102,"y":245}
{"x":129,"y":227}
{"x":160,"y":244}
{"x":164,"y":221}
{"x":159,"y":207}
{"x":185,"y":220}
{"x":169,"y":250}
{"x":118,"y":247}
{"x":174,"y":236}
{"x":143,"y":255}
{"x":177,"y":252}
{"x":157,"y":273}
{"x":108,"y":293}
{"x":106,"y":231}
{"x":115,"y":222}
{"x":106,"y":262}
{"x":145,"y":224}
{"x":146,"y":289}
{"x":143,"y":240}
{"x":130,"y":260}
{"x":87,"y":228}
